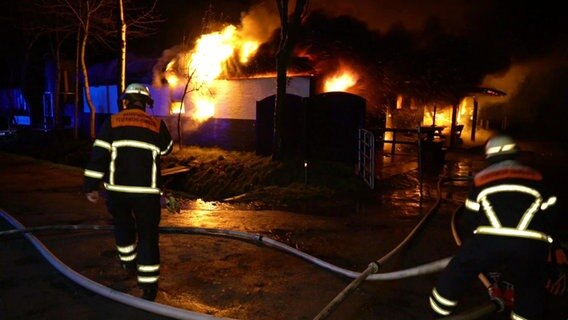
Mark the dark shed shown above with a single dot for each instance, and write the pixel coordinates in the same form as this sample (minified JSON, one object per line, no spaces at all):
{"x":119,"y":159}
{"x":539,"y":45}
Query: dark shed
{"x":334,"y":120}
{"x":294,"y":132}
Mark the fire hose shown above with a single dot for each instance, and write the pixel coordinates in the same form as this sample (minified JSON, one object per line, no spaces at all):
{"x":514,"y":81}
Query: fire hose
{"x":484,"y":309}
{"x":177,"y":313}
{"x":374,"y":266}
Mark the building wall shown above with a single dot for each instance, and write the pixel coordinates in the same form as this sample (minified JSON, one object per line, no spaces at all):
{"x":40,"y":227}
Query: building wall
{"x":233,"y":125}
{"x":235,"y":99}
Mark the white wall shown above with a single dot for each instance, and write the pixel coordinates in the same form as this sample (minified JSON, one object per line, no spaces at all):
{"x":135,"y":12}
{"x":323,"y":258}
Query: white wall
{"x":235,"y":99}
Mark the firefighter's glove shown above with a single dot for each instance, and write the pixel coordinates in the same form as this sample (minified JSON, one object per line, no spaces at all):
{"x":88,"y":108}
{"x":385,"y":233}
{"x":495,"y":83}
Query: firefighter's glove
{"x":496,"y":296}
{"x":173,"y":205}
{"x":561,"y":258}
{"x":170,"y":203}
{"x":508,"y":294}
{"x":93,"y":196}
{"x":557,"y":254}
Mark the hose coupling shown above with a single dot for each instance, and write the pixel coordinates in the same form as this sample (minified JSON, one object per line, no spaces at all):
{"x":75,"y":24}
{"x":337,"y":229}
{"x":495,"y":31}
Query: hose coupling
{"x":374,"y":267}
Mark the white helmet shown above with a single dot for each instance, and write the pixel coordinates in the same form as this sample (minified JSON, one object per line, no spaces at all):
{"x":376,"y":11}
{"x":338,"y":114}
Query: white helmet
{"x":500,"y":145}
{"x":140,"y":91}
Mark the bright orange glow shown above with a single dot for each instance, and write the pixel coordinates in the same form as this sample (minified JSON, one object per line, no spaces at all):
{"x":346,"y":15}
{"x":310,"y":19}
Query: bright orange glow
{"x":175,"y":107}
{"x":399,"y":102}
{"x":171,"y":77}
{"x":205,"y":108}
{"x":205,"y":63}
{"x":342,"y":81}
{"x":247,"y":50}
{"x":210,"y":52}
{"x":441,"y":115}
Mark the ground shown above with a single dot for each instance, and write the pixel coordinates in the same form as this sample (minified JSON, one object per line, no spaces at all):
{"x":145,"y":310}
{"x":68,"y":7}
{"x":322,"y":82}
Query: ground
{"x":220,"y":271}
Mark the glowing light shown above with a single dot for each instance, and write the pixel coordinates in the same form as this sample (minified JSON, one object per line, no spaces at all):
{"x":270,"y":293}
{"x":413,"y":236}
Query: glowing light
{"x":205,"y":109}
{"x":205,"y":63}
{"x":247,"y":50}
{"x":211,"y":51}
{"x":170,"y":75}
{"x":399,"y":102}
{"x":177,"y":107}
{"x":342,"y":81}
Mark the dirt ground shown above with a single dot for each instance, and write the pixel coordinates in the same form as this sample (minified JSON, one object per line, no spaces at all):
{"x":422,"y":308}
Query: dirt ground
{"x":223,"y":275}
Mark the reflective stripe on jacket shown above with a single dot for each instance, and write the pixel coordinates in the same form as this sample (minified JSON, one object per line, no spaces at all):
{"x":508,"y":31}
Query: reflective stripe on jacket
{"x":126,"y":154}
{"x":511,"y":200}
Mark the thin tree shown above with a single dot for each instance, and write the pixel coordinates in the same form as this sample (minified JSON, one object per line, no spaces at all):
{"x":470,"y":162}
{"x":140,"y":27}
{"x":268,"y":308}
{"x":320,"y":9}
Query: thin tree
{"x":122,"y":60}
{"x":290,"y":26}
{"x":85,"y":15}
{"x":135,"y":22}
{"x":91,"y":20}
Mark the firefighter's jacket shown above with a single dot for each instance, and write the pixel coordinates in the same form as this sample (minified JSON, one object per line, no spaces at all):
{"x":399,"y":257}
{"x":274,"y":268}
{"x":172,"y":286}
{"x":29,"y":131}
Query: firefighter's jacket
{"x":511,"y":200}
{"x":126,"y":153}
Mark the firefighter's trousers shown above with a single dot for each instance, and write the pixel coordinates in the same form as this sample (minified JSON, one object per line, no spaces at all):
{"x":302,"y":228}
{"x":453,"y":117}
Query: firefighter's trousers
{"x":522,"y":260}
{"x":136,"y":231}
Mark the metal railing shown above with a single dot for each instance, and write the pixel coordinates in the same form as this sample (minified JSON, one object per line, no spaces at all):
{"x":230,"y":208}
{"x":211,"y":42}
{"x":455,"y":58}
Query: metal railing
{"x":406,"y":136}
{"x":366,"y":157}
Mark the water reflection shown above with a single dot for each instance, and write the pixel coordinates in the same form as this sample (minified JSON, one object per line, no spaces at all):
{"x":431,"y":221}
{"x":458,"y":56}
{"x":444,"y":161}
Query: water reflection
{"x":401,"y":192}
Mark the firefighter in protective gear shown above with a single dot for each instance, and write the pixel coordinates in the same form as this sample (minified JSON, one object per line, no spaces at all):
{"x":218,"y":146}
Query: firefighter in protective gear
{"x":126,"y":157}
{"x":511,"y":213}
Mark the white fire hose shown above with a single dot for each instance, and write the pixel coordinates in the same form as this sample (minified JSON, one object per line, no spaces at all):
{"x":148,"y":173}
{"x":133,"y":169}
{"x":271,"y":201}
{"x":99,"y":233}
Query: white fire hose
{"x":177,"y":313}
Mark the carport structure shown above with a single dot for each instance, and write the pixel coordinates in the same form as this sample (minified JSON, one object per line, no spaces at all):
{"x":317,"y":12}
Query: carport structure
{"x":473,"y":92}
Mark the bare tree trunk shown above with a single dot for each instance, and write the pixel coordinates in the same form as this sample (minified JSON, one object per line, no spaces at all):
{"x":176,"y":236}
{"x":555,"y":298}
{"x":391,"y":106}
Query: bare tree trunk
{"x":57,"y":93}
{"x":279,"y":105}
{"x":281,"y":70}
{"x":76,"y":100}
{"x":122,"y":62}
{"x":288,"y":35}
{"x":93,"y":131}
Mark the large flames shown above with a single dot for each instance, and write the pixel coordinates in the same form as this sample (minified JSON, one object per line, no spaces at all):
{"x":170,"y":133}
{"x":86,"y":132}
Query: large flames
{"x":341,"y":81}
{"x":202,"y":65}
{"x":193,"y":73}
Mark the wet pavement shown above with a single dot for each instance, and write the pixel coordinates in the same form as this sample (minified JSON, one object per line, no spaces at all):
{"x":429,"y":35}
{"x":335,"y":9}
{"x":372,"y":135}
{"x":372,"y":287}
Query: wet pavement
{"x":214,"y":262}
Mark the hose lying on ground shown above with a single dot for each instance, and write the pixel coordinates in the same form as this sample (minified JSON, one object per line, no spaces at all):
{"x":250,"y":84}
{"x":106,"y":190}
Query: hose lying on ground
{"x":259,"y":239}
{"x":180,"y":313}
{"x":374,"y":266}
{"x":93,"y":286}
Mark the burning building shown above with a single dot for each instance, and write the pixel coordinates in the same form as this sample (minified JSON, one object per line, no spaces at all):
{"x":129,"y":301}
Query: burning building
{"x":408,"y":72}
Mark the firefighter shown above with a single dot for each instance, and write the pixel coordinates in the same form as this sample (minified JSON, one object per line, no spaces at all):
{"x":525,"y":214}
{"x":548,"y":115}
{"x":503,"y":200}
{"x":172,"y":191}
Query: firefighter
{"x":512,"y":214}
{"x":126,"y":157}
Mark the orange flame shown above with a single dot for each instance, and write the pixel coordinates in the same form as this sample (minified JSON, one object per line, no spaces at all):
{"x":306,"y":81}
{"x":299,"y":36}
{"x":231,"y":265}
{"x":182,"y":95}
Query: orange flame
{"x":342,"y":81}
{"x":205,"y":63}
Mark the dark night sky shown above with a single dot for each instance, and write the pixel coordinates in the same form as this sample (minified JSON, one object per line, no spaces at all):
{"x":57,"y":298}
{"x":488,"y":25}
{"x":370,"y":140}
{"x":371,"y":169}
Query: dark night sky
{"x":183,"y":21}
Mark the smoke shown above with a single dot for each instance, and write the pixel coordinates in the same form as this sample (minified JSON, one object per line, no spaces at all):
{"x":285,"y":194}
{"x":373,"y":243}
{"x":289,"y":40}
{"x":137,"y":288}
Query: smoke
{"x":259,"y":22}
{"x":536,"y":97}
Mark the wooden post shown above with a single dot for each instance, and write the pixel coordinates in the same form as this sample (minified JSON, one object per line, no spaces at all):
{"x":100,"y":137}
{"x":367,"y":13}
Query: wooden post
{"x":453,"y":125}
{"x":474,"y":119}
{"x":393,"y":143}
